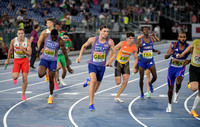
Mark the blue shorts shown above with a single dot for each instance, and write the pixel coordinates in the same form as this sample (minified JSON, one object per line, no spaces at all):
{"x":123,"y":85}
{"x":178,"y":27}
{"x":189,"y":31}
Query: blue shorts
{"x":173,"y":72}
{"x":147,"y":64}
{"x":52,"y":65}
{"x":98,"y":70}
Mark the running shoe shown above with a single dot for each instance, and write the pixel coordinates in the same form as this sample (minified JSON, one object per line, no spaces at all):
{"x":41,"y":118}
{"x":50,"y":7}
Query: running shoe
{"x":169,"y":108}
{"x":32,"y":67}
{"x":56,"y":86}
{"x":85,"y":84}
{"x":175,"y":98}
{"x":148,"y":95}
{"x":15,"y":81}
{"x":23,"y":97}
{"x":151,"y":88}
{"x":189,"y":86}
{"x":91,"y":107}
{"x":142,"y":96}
{"x":193,"y":113}
{"x":119,"y":100}
{"x":50,"y":100}
{"x":63,"y":83}
{"x":46,"y":78}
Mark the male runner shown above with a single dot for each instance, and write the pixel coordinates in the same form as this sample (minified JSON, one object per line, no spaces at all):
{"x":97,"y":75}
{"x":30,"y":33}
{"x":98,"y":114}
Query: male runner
{"x":61,"y":62}
{"x":51,"y":43}
{"x":126,"y":48}
{"x":148,"y":73}
{"x":145,"y":45}
{"x":194,"y":72}
{"x":96,"y":65}
{"x":176,"y":67}
{"x":22,"y":49}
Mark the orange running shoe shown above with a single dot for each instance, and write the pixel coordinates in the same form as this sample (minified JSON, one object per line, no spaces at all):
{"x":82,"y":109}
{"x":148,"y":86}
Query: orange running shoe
{"x":50,"y":100}
{"x":193,"y":113}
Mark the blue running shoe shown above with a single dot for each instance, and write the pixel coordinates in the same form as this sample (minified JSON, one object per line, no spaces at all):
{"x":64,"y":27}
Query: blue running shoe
{"x":85,"y":84}
{"x":91,"y":107}
{"x":142,"y":96}
{"x":151,"y":88}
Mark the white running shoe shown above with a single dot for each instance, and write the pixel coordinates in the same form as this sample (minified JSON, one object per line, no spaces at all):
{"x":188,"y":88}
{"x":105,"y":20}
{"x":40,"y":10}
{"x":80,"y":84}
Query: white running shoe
{"x":62,"y":82}
{"x":169,"y":108}
{"x":175,"y":98}
{"x":119,"y":100}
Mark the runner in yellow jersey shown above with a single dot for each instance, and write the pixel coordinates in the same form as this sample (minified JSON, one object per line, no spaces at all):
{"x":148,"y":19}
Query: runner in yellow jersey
{"x":194,"y":72}
{"x":126,"y":48}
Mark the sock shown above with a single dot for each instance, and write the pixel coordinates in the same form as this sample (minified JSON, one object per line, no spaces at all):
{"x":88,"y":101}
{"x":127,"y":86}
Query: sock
{"x":196,"y":102}
{"x":50,"y":95}
{"x":169,"y":105}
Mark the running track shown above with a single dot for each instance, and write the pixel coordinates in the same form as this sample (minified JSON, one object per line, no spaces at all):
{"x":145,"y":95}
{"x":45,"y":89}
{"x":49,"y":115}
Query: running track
{"x":70,"y":107}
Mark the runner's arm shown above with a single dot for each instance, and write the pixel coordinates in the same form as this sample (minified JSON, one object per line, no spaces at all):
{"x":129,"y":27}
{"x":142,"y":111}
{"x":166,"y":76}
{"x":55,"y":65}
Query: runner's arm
{"x":28,"y":51}
{"x":188,"y":49}
{"x":113,"y":50}
{"x":10,"y":51}
{"x":135,"y":61}
{"x":169,"y":52}
{"x":117,"y":47}
{"x":90,"y":41}
{"x":42,"y":39}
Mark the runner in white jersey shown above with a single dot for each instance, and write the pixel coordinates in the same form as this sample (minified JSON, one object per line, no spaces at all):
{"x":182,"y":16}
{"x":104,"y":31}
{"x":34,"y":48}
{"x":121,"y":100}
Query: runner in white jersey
{"x":22,"y":49}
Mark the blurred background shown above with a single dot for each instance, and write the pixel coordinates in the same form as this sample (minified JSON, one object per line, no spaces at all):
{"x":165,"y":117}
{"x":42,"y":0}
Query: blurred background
{"x":81,"y":18}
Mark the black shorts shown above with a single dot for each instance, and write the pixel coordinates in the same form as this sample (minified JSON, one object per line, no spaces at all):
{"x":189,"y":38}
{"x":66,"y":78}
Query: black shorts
{"x":194,"y":73}
{"x":121,"y":68}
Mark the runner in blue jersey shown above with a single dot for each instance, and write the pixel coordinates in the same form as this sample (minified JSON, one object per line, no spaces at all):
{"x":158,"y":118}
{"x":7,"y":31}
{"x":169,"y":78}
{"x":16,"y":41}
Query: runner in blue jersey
{"x":96,"y":65}
{"x":176,"y":67}
{"x":51,"y":43}
{"x":145,"y":46}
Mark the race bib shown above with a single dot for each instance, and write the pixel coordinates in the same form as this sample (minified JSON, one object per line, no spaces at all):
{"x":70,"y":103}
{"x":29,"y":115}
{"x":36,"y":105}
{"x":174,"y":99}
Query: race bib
{"x":20,"y":53}
{"x":123,"y":59}
{"x":196,"y":59}
{"x":49,"y":52}
{"x":147,"y":54}
{"x":177,"y":62}
{"x":99,"y":57}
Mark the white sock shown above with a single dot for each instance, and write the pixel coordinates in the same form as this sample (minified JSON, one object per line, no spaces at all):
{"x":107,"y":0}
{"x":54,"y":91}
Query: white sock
{"x":169,"y":105}
{"x":50,"y":95}
{"x":196,"y":102}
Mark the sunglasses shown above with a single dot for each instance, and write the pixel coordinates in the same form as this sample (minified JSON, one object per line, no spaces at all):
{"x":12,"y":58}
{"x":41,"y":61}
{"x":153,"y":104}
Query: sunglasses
{"x":65,"y":37}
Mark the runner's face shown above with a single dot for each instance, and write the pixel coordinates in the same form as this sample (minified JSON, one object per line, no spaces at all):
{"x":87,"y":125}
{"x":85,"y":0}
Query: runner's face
{"x":20,"y":34}
{"x":49,"y":24}
{"x":182,"y":38}
{"x":57,"y":27}
{"x":54,"y":37}
{"x":104,"y":32}
{"x":130,"y":40}
{"x":65,"y":37}
{"x":145,"y":31}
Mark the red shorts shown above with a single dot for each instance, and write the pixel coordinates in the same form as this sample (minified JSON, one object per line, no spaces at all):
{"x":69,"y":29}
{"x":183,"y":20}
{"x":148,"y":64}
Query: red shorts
{"x":21,"y":63}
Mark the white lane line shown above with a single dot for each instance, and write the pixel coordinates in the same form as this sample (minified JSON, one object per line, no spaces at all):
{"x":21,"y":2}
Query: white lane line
{"x":40,"y":82}
{"x":186,"y":101}
{"x":114,"y":94}
{"x":27,"y":92}
{"x":130,"y":105}
{"x":70,"y":93}
{"x":71,"y":108}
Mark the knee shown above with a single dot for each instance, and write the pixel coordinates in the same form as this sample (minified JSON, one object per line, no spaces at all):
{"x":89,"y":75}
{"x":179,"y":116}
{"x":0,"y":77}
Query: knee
{"x":24,"y":78}
{"x":40,"y":75}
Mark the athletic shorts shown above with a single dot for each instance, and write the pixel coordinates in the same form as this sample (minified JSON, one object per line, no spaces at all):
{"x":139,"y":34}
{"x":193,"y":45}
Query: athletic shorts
{"x":98,"y":70}
{"x":194,"y":73}
{"x":21,"y":63}
{"x":52,"y":65}
{"x":173,"y":72}
{"x":121,"y":68}
{"x":61,"y":59}
{"x":146,"y":65}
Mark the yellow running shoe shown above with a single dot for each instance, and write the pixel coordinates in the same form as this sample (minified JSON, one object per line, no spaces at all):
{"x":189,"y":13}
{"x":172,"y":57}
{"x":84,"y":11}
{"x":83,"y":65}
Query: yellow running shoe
{"x":50,"y":100}
{"x":193,"y":113}
{"x":189,"y":86}
{"x":46,"y":78}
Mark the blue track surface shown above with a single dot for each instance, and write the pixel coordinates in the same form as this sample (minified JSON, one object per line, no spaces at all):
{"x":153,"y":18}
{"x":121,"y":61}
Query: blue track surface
{"x":70,"y":107}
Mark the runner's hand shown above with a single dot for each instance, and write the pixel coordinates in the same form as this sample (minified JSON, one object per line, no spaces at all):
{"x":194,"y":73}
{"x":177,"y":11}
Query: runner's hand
{"x":186,"y":62}
{"x":158,"y":52}
{"x":109,"y":64}
{"x":7,"y":61}
{"x":78,"y":60}
{"x":135,"y":70}
{"x":179,"y":55}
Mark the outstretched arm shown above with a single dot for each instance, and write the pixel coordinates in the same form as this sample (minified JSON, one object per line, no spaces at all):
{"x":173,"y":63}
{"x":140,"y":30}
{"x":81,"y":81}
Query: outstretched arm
{"x":136,"y":60}
{"x":169,"y":52}
{"x":90,"y":41}
{"x":113,"y":50}
{"x":10,"y":51}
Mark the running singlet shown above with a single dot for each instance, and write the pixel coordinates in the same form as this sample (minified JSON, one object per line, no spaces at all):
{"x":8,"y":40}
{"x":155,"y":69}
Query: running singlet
{"x":50,"y":51}
{"x":178,"y":62}
{"x":146,"y":51}
{"x":99,"y":52}
{"x":195,"y":61}
{"x":125,"y":52}
{"x":18,"y":53}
